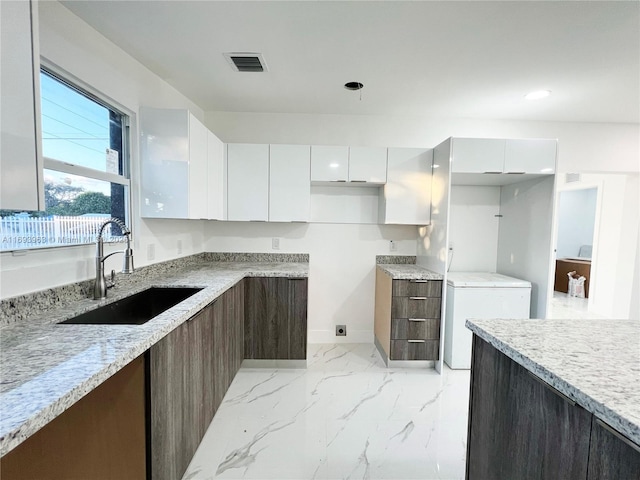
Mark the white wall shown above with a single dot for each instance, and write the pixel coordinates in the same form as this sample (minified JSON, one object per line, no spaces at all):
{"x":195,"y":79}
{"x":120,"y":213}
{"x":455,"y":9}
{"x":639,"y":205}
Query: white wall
{"x":71,"y":46}
{"x":473,"y":228}
{"x":525,"y":237}
{"x":576,"y":221}
{"x":341,"y":266}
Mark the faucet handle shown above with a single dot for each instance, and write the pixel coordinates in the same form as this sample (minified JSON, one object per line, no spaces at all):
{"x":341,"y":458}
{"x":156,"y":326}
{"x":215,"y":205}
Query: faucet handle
{"x":112,"y":281}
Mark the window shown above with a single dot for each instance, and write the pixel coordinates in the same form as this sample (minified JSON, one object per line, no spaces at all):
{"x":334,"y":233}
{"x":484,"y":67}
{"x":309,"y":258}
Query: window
{"x":84,"y":145}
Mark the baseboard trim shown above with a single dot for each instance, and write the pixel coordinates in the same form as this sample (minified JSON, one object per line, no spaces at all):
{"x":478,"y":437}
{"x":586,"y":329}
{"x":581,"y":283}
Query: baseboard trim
{"x":252,"y":363}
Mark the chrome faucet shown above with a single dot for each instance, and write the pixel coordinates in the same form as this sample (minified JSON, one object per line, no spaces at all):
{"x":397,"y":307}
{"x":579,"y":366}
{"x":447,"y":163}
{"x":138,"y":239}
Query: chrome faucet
{"x":100,"y":287}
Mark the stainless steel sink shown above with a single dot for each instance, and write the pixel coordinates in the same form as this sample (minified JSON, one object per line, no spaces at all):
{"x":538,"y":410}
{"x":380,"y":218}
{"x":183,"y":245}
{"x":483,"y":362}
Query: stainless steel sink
{"x":136,"y":309}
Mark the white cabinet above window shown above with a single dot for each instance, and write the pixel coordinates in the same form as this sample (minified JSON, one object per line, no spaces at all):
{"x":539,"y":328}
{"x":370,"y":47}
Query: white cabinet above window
{"x":21,"y":171}
{"x":173,"y":164}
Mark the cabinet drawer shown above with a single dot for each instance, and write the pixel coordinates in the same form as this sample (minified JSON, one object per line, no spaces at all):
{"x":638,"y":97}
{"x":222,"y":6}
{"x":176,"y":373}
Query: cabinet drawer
{"x":414,"y":288}
{"x":414,"y":349}
{"x":415,"y":328}
{"x":415,"y":307}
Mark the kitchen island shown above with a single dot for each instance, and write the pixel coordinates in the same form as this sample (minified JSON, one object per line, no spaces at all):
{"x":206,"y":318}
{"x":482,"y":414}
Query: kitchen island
{"x":554,"y":399}
{"x":47,"y":368}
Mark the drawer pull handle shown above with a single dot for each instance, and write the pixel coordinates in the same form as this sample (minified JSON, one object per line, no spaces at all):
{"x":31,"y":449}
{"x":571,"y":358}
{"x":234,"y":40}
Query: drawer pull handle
{"x":419,"y":281}
{"x":417,"y":319}
{"x":417,"y":341}
{"x":618,"y":435}
{"x":417,"y":298}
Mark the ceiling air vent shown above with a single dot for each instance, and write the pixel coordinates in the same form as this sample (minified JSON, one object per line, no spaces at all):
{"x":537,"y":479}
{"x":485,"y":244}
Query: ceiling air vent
{"x":246,"y":62}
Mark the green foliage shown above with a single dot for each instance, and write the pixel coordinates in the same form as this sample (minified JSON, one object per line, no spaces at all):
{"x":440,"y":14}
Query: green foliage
{"x":60,"y":199}
{"x":90,"y":202}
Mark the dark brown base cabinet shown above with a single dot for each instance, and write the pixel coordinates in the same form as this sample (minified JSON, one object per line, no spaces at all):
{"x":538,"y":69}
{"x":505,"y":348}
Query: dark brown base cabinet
{"x":407,"y":318}
{"x":189,"y":372}
{"x":275,"y":325}
{"x":522,"y":428}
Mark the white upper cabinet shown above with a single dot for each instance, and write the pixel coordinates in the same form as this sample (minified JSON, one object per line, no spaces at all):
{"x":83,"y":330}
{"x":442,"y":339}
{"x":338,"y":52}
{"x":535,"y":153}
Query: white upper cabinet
{"x":510,"y":156}
{"x":289,"y":183}
{"x":173,"y":164}
{"x":368,"y":164}
{"x":407,"y":193}
{"x":248,"y":182}
{"x":536,"y":155}
{"x":329,"y":164}
{"x":198,"y":160}
{"x":217,"y":178}
{"x":477,"y":155}
{"x":21,"y":175}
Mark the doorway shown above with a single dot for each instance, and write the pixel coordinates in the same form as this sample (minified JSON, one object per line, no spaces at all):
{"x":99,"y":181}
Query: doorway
{"x":575,"y":249}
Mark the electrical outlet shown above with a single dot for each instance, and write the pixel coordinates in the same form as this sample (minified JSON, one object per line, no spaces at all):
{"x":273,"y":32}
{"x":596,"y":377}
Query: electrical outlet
{"x":393,"y":247}
{"x":179,"y":246}
{"x":451,"y":246}
{"x":341,"y":330}
{"x":275,"y":243}
{"x":151,"y":251}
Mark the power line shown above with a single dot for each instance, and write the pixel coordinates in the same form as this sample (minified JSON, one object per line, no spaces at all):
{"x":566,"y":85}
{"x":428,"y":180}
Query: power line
{"x":75,"y":113}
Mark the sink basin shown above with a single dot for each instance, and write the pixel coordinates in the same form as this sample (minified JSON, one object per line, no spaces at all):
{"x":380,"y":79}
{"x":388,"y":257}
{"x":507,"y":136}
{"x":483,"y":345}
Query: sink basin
{"x":136,"y":309}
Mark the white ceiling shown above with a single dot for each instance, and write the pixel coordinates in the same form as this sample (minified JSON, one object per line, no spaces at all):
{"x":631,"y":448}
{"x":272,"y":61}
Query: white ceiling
{"x":434,"y":58}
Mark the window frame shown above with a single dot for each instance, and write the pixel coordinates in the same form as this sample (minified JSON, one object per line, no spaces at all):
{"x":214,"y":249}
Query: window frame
{"x":67,"y":167}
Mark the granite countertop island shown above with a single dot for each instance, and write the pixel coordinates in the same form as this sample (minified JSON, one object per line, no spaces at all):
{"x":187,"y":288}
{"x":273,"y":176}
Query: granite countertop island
{"x":595,"y":363}
{"x":46,"y":367}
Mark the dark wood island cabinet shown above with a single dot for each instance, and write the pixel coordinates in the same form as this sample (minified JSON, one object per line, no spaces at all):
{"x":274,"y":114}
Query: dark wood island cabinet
{"x":520,"y":427}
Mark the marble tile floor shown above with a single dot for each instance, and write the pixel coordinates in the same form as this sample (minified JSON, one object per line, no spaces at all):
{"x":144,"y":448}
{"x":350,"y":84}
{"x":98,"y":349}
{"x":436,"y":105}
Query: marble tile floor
{"x":346,"y":416}
{"x":564,"y":306}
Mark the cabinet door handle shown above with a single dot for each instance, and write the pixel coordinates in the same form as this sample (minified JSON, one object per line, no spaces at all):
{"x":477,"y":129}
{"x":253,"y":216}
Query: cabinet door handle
{"x":417,"y":298}
{"x":358,"y":181}
{"x":514,"y":173}
{"x":417,"y":319}
{"x":419,"y":281}
{"x":618,"y":435}
{"x":417,"y":341}
{"x":492,"y":173}
{"x":552,"y":389}
{"x":338,"y":181}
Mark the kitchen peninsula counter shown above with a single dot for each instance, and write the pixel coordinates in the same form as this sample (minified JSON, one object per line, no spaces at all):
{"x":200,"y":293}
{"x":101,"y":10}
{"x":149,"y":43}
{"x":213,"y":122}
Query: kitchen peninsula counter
{"x":595,"y":363}
{"x":46,"y":367}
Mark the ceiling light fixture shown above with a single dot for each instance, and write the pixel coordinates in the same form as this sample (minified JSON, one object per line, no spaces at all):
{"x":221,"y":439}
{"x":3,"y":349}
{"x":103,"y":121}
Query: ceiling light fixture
{"x":353,"y":86}
{"x":538,"y":94}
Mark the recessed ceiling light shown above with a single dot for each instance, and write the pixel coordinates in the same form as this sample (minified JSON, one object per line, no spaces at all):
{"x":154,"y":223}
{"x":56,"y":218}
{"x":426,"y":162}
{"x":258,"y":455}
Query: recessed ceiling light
{"x":353,"y":86}
{"x":538,"y":94}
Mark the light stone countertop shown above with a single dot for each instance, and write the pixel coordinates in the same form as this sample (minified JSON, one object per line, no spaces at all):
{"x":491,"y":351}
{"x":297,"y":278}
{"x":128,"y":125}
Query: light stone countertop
{"x":46,"y":368}
{"x":595,"y":363}
{"x":408,"y":272}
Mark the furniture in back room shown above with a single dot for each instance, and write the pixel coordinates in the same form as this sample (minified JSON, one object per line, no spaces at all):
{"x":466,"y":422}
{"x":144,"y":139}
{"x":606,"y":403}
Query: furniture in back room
{"x":566,"y":265}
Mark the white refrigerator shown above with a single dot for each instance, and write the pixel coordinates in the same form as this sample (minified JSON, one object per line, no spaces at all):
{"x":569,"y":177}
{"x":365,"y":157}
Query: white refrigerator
{"x":482,"y":296}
